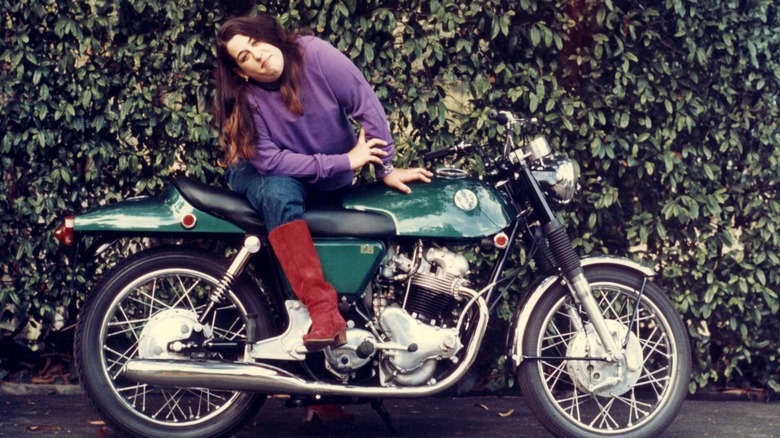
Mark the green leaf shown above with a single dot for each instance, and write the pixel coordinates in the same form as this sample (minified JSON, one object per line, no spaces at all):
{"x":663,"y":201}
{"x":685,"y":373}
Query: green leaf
{"x":536,"y":36}
{"x":534,"y":103}
{"x":624,"y":119}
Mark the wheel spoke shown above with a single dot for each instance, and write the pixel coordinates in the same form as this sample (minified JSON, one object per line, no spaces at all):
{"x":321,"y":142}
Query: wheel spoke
{"x":151,"y":303}
{"x":574,"y":402}
{"x":556,"y":340}
{"x":135,"y":393}
{"x":652,"y":348}
{"x":185,"y":293}
{"x":228,"y":330}
{"x":168,"y":408}
{"x":558,"y":371}
{"x":207,"y":399}
{"x":657,"y":384}
{"x":604,"y":418}
{"x":637,"y":409}
{"x":127,"y":355}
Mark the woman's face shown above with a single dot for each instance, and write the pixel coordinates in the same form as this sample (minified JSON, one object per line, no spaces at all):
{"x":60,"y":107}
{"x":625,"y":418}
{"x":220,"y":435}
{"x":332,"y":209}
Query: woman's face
{"x":255,"y":59}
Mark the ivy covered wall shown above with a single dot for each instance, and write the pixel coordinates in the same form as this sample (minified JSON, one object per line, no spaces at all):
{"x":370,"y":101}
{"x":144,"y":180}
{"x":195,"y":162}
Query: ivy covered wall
{"x":669,"y":107}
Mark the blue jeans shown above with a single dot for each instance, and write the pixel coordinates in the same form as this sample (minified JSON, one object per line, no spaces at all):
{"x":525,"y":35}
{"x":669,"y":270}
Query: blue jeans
{"x":279,"y":199}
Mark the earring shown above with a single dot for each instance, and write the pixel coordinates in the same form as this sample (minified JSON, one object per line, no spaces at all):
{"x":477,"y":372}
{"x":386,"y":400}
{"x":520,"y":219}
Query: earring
{"x":246,"y":79}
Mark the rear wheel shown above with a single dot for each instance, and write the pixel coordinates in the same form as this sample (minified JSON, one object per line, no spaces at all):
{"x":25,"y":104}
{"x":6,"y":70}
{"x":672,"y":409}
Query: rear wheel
{"x":637,"y":396}
{"x":137,"y":310}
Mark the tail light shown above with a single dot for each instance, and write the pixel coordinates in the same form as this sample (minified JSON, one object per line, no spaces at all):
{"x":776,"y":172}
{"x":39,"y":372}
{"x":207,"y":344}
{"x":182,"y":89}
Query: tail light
{"x":64,"y":233}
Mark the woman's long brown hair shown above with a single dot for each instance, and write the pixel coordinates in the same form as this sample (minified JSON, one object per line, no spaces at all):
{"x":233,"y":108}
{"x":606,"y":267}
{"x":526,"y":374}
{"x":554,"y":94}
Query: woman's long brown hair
{"x":232,"y":111}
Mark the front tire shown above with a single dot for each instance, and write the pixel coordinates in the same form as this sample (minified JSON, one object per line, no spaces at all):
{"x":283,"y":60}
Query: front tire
{"x":637,"y":397}
{"x":148,"y":292}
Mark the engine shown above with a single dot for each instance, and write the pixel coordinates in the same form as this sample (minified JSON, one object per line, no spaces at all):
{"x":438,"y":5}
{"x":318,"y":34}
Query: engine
{"x":433,"y":292}
{"x":416,"y":309}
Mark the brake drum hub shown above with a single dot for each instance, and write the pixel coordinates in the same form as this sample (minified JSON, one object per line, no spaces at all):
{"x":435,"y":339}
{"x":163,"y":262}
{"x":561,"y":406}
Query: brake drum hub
{"x":603,"y":378}
{"x":165,"y":328}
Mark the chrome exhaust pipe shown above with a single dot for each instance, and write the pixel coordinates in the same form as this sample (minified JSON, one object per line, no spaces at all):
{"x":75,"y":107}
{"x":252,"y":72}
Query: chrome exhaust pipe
{"x":217,"y":375}
{"x":268,"y":379}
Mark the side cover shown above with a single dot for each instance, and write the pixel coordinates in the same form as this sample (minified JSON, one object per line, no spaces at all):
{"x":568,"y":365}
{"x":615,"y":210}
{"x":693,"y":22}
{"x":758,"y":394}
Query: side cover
{"x":461,"y":208}
{"x":168,"y":213}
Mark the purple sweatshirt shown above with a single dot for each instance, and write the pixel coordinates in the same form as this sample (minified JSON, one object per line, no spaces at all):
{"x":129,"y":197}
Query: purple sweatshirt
{"x":314,"y":146}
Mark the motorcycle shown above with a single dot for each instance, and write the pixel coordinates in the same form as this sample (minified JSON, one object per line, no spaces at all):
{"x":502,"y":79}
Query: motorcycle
{"x":174,"y":341}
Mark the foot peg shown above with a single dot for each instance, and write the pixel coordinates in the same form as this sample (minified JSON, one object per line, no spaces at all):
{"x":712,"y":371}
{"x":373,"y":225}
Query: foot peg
{"x":251,"y":328}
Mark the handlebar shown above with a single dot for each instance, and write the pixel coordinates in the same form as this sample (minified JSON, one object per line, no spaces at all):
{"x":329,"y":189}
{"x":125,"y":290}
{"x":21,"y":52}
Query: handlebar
{"x":501,"y":117}
{"x":462,"y":147}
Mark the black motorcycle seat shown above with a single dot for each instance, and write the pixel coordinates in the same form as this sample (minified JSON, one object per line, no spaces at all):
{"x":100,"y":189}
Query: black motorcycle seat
{"x":323,"y":221}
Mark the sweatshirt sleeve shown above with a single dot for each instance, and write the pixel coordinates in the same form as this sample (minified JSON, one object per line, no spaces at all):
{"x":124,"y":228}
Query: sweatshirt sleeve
{"x":356,"y":95}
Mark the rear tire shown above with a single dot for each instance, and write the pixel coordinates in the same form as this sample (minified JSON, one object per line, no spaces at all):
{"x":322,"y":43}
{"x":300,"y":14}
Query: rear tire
{"x":575,"y":398}
{"x":171,"y":283}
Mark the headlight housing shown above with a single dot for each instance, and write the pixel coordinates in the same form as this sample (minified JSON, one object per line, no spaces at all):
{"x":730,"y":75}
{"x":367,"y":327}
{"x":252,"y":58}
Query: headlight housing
{"x":557,"y":176}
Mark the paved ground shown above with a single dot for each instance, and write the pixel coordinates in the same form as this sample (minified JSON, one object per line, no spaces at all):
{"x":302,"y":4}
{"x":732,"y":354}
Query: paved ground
{"x":67,"y":413}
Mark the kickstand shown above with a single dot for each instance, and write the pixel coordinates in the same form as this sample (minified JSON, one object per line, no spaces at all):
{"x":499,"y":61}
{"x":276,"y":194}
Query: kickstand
{"x":379,"y":407}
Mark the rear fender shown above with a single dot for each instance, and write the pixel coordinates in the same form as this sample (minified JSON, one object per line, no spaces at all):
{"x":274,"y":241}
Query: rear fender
{"x":524,"y":311}
{"x":166,"y":215}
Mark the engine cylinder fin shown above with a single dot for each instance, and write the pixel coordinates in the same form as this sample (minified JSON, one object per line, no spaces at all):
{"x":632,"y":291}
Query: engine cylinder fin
{"x":445,"y":284}
{"x":431,"y":305}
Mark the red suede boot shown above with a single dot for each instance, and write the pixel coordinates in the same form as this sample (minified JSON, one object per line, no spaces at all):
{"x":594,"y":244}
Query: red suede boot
{"x":294,"y":248}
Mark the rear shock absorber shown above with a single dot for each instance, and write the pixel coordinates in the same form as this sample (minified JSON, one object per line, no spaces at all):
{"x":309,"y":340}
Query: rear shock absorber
{"x":251,"y":246}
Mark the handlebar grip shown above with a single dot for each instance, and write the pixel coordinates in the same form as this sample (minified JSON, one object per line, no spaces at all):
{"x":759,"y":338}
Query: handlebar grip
{"x":438,"y":154}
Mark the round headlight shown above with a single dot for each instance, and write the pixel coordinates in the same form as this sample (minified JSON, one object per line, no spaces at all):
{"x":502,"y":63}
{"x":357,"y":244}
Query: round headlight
{"x":557,"y":176}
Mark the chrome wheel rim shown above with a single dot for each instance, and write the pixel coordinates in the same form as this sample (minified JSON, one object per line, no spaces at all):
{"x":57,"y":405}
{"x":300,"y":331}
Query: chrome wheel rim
{"x":640,"y":395}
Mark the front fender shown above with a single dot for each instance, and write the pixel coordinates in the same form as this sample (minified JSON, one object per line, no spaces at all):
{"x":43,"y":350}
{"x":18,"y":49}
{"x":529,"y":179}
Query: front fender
{"x":524,"y":310}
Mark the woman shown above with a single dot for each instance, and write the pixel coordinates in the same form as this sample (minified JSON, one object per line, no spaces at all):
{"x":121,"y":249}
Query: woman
{"x":283,"y":106}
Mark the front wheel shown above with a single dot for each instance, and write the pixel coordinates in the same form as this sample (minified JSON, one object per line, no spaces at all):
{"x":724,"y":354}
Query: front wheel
{"x":636,"y":396}
{"x":139,"y":308}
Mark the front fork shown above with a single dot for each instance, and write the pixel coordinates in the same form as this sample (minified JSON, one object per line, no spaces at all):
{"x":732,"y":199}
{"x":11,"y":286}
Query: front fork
{"x":568,"y":261}
{"x":580,"y":290}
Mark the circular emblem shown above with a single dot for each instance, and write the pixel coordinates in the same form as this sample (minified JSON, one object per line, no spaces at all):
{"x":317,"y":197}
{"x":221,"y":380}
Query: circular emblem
{"x":466,"y":200}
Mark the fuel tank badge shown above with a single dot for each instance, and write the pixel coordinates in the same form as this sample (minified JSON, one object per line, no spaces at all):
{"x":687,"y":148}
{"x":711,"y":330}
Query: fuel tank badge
{"x":465,"y":200}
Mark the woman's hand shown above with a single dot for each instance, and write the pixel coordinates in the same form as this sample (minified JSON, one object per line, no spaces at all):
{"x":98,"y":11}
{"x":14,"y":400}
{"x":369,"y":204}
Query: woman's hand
{"x":366,"y":152}
{"x":398,"y":178}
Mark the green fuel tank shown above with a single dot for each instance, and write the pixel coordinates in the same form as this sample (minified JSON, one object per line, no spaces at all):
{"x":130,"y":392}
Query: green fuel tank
{"x":450,"y":208}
